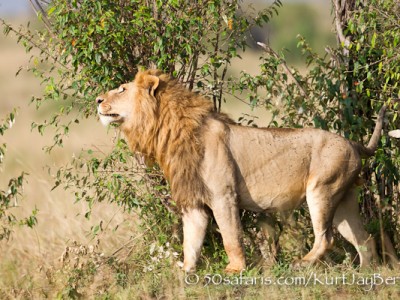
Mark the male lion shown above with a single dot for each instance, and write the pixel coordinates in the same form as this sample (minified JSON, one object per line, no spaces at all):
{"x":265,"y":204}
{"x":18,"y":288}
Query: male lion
{"x":211,"y":163}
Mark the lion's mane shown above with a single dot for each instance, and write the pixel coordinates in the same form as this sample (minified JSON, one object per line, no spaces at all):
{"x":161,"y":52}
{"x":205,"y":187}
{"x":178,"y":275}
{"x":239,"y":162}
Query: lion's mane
{"x":167,"y":127}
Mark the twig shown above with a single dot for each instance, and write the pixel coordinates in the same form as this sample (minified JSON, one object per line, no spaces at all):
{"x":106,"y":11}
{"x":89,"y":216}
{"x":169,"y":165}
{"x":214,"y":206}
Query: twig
{"x":38,"y":8}
{"x":129,"y":241}
{"x":33,"y":43}
{"x":381,"y":197}
{"x":285,"y":67}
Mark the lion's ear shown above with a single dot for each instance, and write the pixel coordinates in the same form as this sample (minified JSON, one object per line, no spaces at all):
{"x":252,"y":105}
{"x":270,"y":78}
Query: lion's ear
{"x":151,"y":83}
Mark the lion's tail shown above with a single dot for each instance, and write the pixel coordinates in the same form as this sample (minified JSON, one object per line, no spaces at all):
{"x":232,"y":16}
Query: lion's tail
{"x":370,"y":149}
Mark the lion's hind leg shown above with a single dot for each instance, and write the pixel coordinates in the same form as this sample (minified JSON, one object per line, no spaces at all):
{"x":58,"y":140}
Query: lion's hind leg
{"x":268,"y":225}
{"x":348,"y":222}
{"x":322,"y":202}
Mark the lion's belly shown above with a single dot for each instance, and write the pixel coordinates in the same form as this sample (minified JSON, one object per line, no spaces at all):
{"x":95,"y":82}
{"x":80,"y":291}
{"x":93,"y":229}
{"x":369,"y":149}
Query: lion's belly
{"x":258,"y":195}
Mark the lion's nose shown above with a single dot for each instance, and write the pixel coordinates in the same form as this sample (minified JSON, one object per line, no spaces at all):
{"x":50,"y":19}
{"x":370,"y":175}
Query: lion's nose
{"x":99,"y":100}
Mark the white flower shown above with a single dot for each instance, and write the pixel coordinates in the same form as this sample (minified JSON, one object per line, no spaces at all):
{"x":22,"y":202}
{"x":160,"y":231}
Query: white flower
{"x":152,"y":248}
{"x":148,"y":269}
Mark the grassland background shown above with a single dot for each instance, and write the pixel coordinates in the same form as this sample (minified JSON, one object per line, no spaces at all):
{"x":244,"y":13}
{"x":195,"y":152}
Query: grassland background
{"x":26,"y":257}
{"x":31,"y":256}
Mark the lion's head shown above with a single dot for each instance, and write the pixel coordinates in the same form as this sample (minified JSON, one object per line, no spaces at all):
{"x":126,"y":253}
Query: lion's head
{"x":118,"y":105}
{"x":162,"y":119}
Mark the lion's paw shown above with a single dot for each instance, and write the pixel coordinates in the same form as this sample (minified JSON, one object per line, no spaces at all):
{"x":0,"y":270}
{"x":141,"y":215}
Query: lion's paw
{"x":300,"y":264}
{"x":234,"y":269}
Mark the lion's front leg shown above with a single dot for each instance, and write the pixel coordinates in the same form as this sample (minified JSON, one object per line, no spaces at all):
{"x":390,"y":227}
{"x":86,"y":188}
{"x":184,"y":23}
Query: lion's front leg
{"x":218,"y":171}
{"x":195,"y":221}
{"x":226,"y":214}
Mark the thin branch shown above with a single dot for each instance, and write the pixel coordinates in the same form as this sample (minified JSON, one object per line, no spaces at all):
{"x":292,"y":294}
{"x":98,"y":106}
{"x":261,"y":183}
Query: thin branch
{"x":30,"y":40}
{"x":221,"y":85}
{"x":285,"y":67}
{"x":39,"y":10}
{"x":131,"y":239}
{"x":215,"y":77}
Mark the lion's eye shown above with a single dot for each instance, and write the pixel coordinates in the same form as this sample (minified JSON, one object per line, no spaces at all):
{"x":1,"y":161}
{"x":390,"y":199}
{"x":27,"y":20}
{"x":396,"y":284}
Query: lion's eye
{"x":121,"y":89}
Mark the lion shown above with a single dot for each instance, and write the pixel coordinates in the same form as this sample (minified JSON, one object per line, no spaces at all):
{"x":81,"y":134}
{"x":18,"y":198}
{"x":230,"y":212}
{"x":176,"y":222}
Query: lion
{"x":214,"y":165}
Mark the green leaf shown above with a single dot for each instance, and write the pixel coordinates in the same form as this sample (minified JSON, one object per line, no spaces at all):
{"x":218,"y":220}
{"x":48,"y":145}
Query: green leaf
{"x":51,"y":10}
{"x":98,"y":58}
{"x":373,"y":40}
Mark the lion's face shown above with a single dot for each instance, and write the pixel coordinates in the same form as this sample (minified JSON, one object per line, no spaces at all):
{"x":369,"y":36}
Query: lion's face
{"x":130,"y":100}
{"x":116,"y":105}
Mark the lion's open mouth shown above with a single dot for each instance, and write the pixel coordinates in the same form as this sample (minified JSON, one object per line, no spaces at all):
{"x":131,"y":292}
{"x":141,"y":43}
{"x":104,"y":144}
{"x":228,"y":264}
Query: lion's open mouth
{"x":109,"y":115}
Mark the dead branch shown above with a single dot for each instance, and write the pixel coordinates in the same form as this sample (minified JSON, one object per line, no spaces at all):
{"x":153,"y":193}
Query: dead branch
{"x":39,"y":10}
{"x":339,"y":12}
